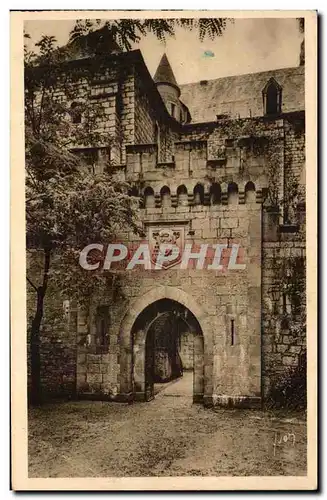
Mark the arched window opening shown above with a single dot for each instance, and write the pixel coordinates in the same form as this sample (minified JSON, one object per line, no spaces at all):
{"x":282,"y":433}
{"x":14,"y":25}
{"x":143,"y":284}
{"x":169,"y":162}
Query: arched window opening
{"x":76,"y":112}
{"x":198,"y":195}
{"x":232,"y":194}
{"x":149,"y":201}
{"x":250,"y":192}
{"x":215,"y":194}
{"x":165,"y":196}
{"x":182,"y":197}
{"x":133,"y":192}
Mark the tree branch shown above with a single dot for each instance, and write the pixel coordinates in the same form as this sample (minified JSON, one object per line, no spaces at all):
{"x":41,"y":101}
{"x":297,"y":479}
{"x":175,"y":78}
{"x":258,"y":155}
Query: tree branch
{"x":32,"y":285}
{"x":46,"y":269}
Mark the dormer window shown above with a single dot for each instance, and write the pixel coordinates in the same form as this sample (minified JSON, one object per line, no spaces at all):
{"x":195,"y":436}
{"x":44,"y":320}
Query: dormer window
{"x":272,"y":98}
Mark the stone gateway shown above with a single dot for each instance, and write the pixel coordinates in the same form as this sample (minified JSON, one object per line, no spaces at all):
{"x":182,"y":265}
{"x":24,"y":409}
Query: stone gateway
{"x":200,"y":158}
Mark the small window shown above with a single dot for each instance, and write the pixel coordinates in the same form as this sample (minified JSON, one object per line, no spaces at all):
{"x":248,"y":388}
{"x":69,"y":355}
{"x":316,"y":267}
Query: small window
{"x":286,"y":303}
{"x":198,"y":195}
{"x":250,"y":195}
{"x":296,"y":303}
{"x":272,"y":98}
{"x":173,"y":109}
{"x":232,"y":332}
{"x":215,"y":194}
{"x":149,"y":199}
{"x":165,"y":197}
{"x":182,"y":196}
{"x":232,"y":192}
{"x":76,"y":112}
{"x":102,"y":326}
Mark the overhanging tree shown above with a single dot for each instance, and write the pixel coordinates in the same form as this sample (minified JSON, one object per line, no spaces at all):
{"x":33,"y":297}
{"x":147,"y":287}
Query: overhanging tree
{"x":125,"y":32}
{"x":67,"y":204}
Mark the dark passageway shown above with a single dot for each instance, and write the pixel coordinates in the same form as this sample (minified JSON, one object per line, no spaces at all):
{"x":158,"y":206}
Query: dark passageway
{"x":167,"y":343}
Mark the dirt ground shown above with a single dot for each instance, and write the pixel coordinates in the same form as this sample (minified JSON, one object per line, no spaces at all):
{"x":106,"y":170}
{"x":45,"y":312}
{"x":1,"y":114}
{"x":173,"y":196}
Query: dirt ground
{"x":168,"y":436}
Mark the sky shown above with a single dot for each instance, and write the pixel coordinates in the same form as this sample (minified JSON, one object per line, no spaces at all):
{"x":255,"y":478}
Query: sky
{"x":247,"y":46}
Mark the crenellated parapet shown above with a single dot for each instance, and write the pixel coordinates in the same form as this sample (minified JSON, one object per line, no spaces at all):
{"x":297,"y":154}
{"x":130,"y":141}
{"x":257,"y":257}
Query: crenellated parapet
{"x":199,"y":195}
{"x":190,"y":164}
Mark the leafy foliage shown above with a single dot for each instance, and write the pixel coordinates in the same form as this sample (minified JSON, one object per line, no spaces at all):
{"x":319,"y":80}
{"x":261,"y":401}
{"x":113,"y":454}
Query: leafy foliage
{"x":300,"y":21}
{"x":301,"y":26}
{"x":289,"y":389}
{"x":126,"y":32}
{"x":68,"y":204}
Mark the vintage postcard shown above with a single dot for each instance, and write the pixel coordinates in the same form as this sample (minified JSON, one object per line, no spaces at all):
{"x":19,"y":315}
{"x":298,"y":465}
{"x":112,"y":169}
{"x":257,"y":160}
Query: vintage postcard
{"x":164,"y":239}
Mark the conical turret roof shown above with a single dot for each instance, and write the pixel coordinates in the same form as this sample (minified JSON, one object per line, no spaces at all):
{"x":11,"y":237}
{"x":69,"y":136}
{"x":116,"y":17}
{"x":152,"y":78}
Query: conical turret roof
{"x":164,"y":73}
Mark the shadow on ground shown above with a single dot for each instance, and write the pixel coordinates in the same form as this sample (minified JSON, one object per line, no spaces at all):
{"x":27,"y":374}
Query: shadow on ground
{"x":168,"y":436}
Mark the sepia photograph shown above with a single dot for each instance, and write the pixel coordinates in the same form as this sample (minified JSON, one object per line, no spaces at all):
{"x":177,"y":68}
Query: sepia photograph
{"x":163,"y":165}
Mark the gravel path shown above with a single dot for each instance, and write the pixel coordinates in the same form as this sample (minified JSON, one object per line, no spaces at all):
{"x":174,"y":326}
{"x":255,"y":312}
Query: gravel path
{"x":168,"y":436}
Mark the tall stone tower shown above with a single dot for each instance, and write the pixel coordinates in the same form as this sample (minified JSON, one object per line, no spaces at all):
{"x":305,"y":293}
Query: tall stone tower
{"x":169,"y":90}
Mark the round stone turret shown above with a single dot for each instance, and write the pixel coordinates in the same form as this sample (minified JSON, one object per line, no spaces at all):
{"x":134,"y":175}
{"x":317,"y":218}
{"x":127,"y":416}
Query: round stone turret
{"x":169,"y":90}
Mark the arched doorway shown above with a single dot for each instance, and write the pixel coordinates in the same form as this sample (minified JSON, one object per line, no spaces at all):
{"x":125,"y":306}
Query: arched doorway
{"x":132,"y":366}
{"x":167,"y":341}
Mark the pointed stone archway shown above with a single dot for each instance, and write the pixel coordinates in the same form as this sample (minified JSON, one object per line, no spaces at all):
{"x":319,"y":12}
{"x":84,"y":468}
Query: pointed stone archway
{"x":133,"y":343}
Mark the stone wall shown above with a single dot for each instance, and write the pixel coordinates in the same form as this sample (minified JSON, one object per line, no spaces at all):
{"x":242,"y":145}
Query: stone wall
{"x":145,"y":120}
{"x":230,"y":298}
{"x":187,"y":350}
{"x":232,"y":148}
{"x":125,"y":112}
{"x":127,"y":115}
{"x":284,"y":333}
{"x":58,"y":339}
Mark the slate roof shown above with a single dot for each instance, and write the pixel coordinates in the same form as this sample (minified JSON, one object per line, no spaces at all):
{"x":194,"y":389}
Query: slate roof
{"x":164,"y":73}
{"x":241,"y":95}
